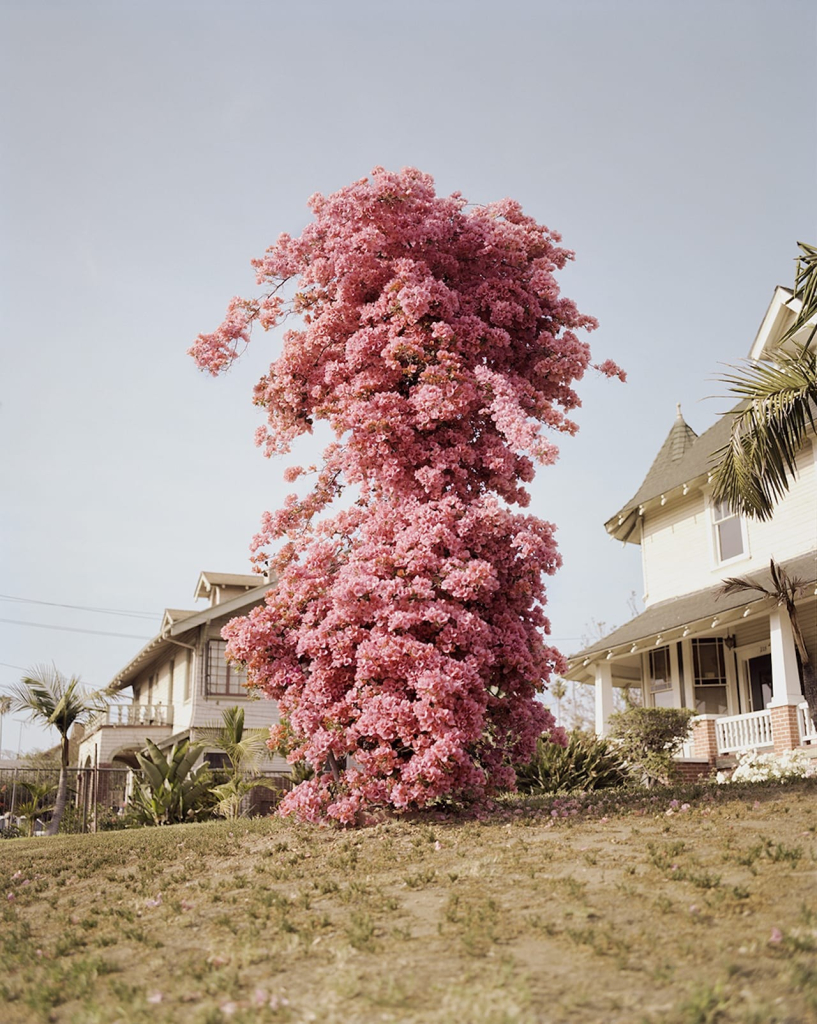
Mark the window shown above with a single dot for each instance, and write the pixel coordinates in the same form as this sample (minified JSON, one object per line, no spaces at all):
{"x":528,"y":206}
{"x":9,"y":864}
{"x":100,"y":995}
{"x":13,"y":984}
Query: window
{"x":728,"y":532}
{"x":222,"y":679}
{"x":709,"y":666}
{"x":661,"y":678}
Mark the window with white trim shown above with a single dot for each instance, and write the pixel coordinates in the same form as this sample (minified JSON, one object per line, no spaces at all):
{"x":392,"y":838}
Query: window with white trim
{"x":222,"y":678}
{"x":661,"y":678}
{"x":728,"y":532}
{"x":709,"y":668}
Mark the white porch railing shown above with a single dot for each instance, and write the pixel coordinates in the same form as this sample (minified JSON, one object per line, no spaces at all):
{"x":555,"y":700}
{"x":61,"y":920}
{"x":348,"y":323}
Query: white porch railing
{"x":808,"y":734}
{"x":744,"y":732}
{"x":133,"y":715}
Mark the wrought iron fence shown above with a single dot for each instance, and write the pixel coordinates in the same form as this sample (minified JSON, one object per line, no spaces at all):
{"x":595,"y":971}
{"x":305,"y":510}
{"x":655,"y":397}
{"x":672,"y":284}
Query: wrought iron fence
{"x":97,"y":797}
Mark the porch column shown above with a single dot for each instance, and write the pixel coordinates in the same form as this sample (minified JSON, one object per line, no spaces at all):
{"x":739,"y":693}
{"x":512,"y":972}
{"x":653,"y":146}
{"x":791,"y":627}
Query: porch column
{"x":785,"y":677}
{"x":786,"y":693}
{"x":604,"y":696}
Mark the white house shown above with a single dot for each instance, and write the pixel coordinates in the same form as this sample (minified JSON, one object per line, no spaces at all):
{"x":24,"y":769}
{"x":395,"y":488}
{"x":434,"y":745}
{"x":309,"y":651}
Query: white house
{"x":181,"y":681}
{"x":732,"y":658}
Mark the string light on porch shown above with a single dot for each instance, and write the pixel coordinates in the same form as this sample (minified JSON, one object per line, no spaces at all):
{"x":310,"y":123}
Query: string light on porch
{"x":634,"y":648}
{"x":609,"y":655}
{"x":715,"y":621}
{"x":686,"y":631}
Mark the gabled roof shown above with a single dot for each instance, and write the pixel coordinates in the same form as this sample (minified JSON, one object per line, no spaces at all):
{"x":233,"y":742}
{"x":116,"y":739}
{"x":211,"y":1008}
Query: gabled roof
{"x":208,"y":580}
{"x":702,"y":605}
{"x":176,"y":623}
{"x":172,"y":616}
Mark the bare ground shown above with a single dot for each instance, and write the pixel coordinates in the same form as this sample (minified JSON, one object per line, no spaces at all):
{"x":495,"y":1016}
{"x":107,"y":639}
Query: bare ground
{"x":704,"y":915}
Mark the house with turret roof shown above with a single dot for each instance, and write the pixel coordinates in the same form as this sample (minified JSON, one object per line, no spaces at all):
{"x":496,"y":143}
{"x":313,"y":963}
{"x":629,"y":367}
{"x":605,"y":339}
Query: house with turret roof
{"x":730,"y":658}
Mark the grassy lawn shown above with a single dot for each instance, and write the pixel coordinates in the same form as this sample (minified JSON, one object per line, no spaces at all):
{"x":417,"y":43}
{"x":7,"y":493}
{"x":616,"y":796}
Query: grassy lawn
{"x":621,"y":912}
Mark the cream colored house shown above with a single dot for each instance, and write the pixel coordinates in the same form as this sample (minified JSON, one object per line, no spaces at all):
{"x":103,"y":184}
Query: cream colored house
{"x":181,"y":682}
{"x":733,"y":658}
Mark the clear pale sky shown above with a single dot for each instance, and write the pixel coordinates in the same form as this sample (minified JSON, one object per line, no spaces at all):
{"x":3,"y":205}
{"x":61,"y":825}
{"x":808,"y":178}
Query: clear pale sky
{"x":149,"y":150}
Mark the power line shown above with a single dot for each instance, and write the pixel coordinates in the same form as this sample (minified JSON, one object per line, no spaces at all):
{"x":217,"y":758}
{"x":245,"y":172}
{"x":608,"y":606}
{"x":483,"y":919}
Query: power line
{"x":80,"y":607}
{"x":75,"y":629}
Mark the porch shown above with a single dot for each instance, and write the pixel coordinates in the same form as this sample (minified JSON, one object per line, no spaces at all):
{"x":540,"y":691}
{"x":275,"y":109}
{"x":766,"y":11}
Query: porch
{"x":770,"y":730}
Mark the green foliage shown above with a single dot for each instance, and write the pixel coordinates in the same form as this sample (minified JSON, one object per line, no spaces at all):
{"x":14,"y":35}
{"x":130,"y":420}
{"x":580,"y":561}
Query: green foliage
{"x":107,"y":820}
{"x":649,"y":738}
{"x":587,"y":762}
{"x":754,"y":469}
{"x":171,"y":790}
{"x":55,"y":700}
{"x":33,"y":801}
{"x":244,"y":749}
{"x":10,"y":832}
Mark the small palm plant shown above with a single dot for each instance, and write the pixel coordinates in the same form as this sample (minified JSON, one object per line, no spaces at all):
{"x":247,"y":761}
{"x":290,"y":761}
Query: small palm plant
{"x":171,"y":789}
{"x":35,"y":803}
{"x":244,"y":749}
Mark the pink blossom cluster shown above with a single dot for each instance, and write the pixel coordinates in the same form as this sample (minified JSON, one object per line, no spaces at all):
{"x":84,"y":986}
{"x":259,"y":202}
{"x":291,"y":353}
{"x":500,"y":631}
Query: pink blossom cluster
{"x":404,"y":641}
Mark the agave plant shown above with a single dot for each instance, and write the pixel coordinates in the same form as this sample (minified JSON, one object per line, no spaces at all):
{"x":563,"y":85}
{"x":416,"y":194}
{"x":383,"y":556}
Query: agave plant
{"x":171,"y":789}
{"x":587,"y":762}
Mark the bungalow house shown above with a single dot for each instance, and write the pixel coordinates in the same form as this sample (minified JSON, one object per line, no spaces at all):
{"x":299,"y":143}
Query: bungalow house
{"x":181,"y":682}
{"x":732,"y":658}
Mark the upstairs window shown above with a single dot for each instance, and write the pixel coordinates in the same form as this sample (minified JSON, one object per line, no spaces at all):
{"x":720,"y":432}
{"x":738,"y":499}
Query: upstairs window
{"x":728,"y":532}
{"x":222,"y":679}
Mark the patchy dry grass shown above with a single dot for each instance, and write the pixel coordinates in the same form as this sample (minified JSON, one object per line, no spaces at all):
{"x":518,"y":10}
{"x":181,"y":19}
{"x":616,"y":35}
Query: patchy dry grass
{"x":705,"y":915}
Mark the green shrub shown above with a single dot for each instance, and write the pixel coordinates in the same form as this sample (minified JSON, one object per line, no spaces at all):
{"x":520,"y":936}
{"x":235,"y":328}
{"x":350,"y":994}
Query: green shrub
{"x":587,"y":762}
{"x":171,"y":790}
{"x":649,"y":738}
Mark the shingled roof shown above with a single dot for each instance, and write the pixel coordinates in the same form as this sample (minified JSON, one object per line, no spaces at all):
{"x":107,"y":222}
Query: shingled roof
{"x":691,"y":608}
{"x":682,"y":458}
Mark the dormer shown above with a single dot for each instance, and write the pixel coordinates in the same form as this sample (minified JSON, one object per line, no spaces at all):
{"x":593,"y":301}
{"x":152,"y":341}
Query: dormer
{"x":220,"y":587}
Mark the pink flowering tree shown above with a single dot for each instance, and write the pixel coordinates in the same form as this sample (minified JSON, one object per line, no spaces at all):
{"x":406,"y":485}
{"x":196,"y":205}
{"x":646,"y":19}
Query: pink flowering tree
{"x":405,"y":639}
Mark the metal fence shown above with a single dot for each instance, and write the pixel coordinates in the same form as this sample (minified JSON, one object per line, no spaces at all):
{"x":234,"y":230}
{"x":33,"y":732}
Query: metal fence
{"x":97,"y":796}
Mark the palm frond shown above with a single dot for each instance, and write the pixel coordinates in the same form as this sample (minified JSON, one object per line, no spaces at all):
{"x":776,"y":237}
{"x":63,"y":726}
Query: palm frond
{"x":805,"y":289}
{"x":753,"y":471}
{"x":740,"y":584}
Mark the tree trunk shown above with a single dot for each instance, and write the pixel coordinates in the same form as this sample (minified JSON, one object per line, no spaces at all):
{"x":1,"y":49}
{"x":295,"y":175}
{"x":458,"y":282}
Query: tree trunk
{"x":809,"y":678}
{"x":62,"y":792}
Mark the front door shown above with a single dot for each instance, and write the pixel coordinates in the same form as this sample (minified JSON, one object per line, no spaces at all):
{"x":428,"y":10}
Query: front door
{"x":760,"y":680}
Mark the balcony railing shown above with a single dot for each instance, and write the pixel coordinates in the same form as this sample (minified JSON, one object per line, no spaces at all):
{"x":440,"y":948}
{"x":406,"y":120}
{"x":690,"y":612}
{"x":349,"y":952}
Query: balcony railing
{"x":751,"y":731}
{"x":808,"y":734}
{"x":145,"y":715}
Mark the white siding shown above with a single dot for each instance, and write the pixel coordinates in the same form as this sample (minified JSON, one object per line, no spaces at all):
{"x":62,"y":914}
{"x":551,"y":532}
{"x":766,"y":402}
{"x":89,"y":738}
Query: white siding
{"x":675,"y":548}
{"x":677,"y":539}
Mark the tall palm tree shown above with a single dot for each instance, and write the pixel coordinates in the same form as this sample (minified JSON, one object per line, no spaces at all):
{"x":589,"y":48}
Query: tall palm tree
{"x":5,"y":707}
{"x":53,"y":699}
{"x":778,"y":400}
{"x":785,"y":591}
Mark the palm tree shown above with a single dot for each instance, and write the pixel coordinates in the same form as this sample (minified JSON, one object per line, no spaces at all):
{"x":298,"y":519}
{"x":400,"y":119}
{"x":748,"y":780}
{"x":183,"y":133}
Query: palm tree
{"x":5,"y":707}
{"x":54,"y":699}
{"x":244,"y":748}
{"x":785,"y":591}
{"x":778,"y":398}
